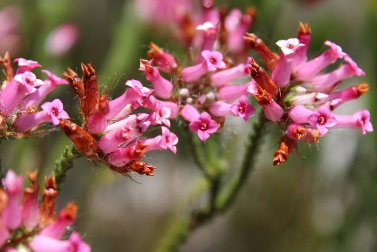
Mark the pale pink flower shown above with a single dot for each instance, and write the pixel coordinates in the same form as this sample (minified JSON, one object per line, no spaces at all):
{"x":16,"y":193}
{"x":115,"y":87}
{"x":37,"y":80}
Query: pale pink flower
{"x":62,"y":39}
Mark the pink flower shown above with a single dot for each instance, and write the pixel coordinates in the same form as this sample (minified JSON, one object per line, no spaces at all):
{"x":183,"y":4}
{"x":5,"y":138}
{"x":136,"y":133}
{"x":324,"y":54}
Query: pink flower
{"x":322,"y":119}
{"x":41,"y":243}
{"x":29,"y":81}
{"x":55,"y":110}
{"x":62,"y":39}
{"x":169,"y":140}
{"x":361,"y":119}
{"x":289,"y":46}
{"x":243,"y":108}
{"x":11,"y":215}
{"x":204,"y":126}
{"x":212,"y":61}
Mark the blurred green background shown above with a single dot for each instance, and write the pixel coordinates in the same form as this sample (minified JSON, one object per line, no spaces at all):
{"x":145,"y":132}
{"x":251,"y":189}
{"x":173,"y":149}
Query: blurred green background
{"x":324,"y":199}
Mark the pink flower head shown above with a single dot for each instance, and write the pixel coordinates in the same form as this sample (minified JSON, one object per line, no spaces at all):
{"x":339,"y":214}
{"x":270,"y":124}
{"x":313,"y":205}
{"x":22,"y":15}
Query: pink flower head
{"x":168,"y":140}
{"x":243,"y":108}
{"x":289,"y":46}
{"x":55,"y":110}
{"x":363,"y":120}
{"x":53,"y":79}
{"x":213,"y":60}
{"x":204,"y":126}
{"x":322,"y":119}
{"x":62,"y":39}
{"x":29,"y":81}
{"x":161,"y":115}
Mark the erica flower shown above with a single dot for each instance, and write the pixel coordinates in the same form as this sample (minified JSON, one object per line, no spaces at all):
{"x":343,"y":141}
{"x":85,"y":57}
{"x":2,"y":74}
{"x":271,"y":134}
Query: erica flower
{"x":28,"y":224}
{"x":299,"y":95}
{"x":21,"y":95}
{"x":62,"y":39}
{"x":112,"y":130}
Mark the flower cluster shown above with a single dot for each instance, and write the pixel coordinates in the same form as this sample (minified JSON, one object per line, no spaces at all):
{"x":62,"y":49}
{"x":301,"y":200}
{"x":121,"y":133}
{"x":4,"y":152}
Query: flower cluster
{"x":20,"y":96}
{"x":28,"y":225}
{"x":112,"y":130}
{"x":204,"y":91}
{"x":299,"y":96}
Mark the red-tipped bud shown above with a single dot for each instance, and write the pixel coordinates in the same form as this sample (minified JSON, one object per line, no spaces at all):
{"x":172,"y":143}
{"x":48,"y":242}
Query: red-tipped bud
{"x":82,"y":140}
{"x":262,"y":78}
{"x":47,"y":208}
{"x":304,"y":29}
{"x":90,"y":100}
{"x":75,"y":82}
{"x":141,"y":167}
{"x":270,"y":59}
{"x":362,"y":88}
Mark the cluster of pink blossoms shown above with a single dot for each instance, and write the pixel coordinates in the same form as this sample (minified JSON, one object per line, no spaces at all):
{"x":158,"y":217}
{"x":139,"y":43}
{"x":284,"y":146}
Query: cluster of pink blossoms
{"x":112,"y":130}
{"x":299,"y":96}
{"x":201,"y":90}
{"x":26,"y":224}
{"x":21,"y":95}
{"x":295,"y":94}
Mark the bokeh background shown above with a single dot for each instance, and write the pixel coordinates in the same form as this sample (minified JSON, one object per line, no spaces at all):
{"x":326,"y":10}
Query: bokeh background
{"x":324,"y":199}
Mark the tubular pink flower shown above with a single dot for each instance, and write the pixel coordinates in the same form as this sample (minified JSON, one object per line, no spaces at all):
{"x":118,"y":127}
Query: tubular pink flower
{"x":304,"y":36}
{"x":62,"y":39}
{"x":41,"y":93}
{"x":242,"y":108}
{"x":163,"y":60}
{"x":322,"y":119}
{"x":122,"y":156}
{"x":299,"y":114}
{"x":190,"y":113}
{"x":233,"y":92}
{"x":220,"y":109}
{"x":41,"y":243}
{"x":204,"y":126}
{"x":235,"y":35}
{"x":52,"y":112}
{"x":273,"y":111}
{"x":361,"y":119}
{"x":225,"y":77}
{"x":29,"y":81}
{"x":212,"y":61}
{"x":311,"y":68}
{"x":66,"y":218}
{"x":161,"y":116}
{"x":30,"y":210}
{"x":162,"y":86}
{"x":282,"y":72}
{"x":11,"y":215}
{"x":169,"y":140}
{"x":328,"y":81}
{"x":209,"y":36}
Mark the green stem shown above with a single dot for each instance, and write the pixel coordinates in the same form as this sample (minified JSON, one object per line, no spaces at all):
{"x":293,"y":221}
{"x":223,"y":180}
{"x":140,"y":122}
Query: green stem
{"x":65,"y":163}
{"x":219,"y":201}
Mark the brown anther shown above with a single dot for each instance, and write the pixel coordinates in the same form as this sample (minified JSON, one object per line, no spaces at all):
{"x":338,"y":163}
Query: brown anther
{"x":263,"y":97}
{"x":263,"y":79}
{"x":299,"y":133}
{"x":286,"y":147}
{"x":304,"y":28}
{"x":32,"y":176}
{"x":270,"y":59}
{"x":31,"y":110}
{"x":47,"y":208}
{"x":82,"y":140}
{"x":362,"y":88}
{"x":141,"y":167}
{"x":312,"y":135}
{"x":69,"y":212}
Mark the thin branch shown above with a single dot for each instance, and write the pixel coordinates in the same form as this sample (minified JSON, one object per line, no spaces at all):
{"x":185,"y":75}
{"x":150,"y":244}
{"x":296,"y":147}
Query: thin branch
{"x":65,"y":163}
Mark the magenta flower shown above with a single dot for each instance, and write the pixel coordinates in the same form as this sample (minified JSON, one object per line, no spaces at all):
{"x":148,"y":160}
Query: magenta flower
{"x":360,"y":119}
{"x":169,"y":140}
{"x":42,"y":243}
{"x":55,"y":110}
{"x":204,"y":126}
{"x":243,"y":108}
{"x":322,"y":119}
